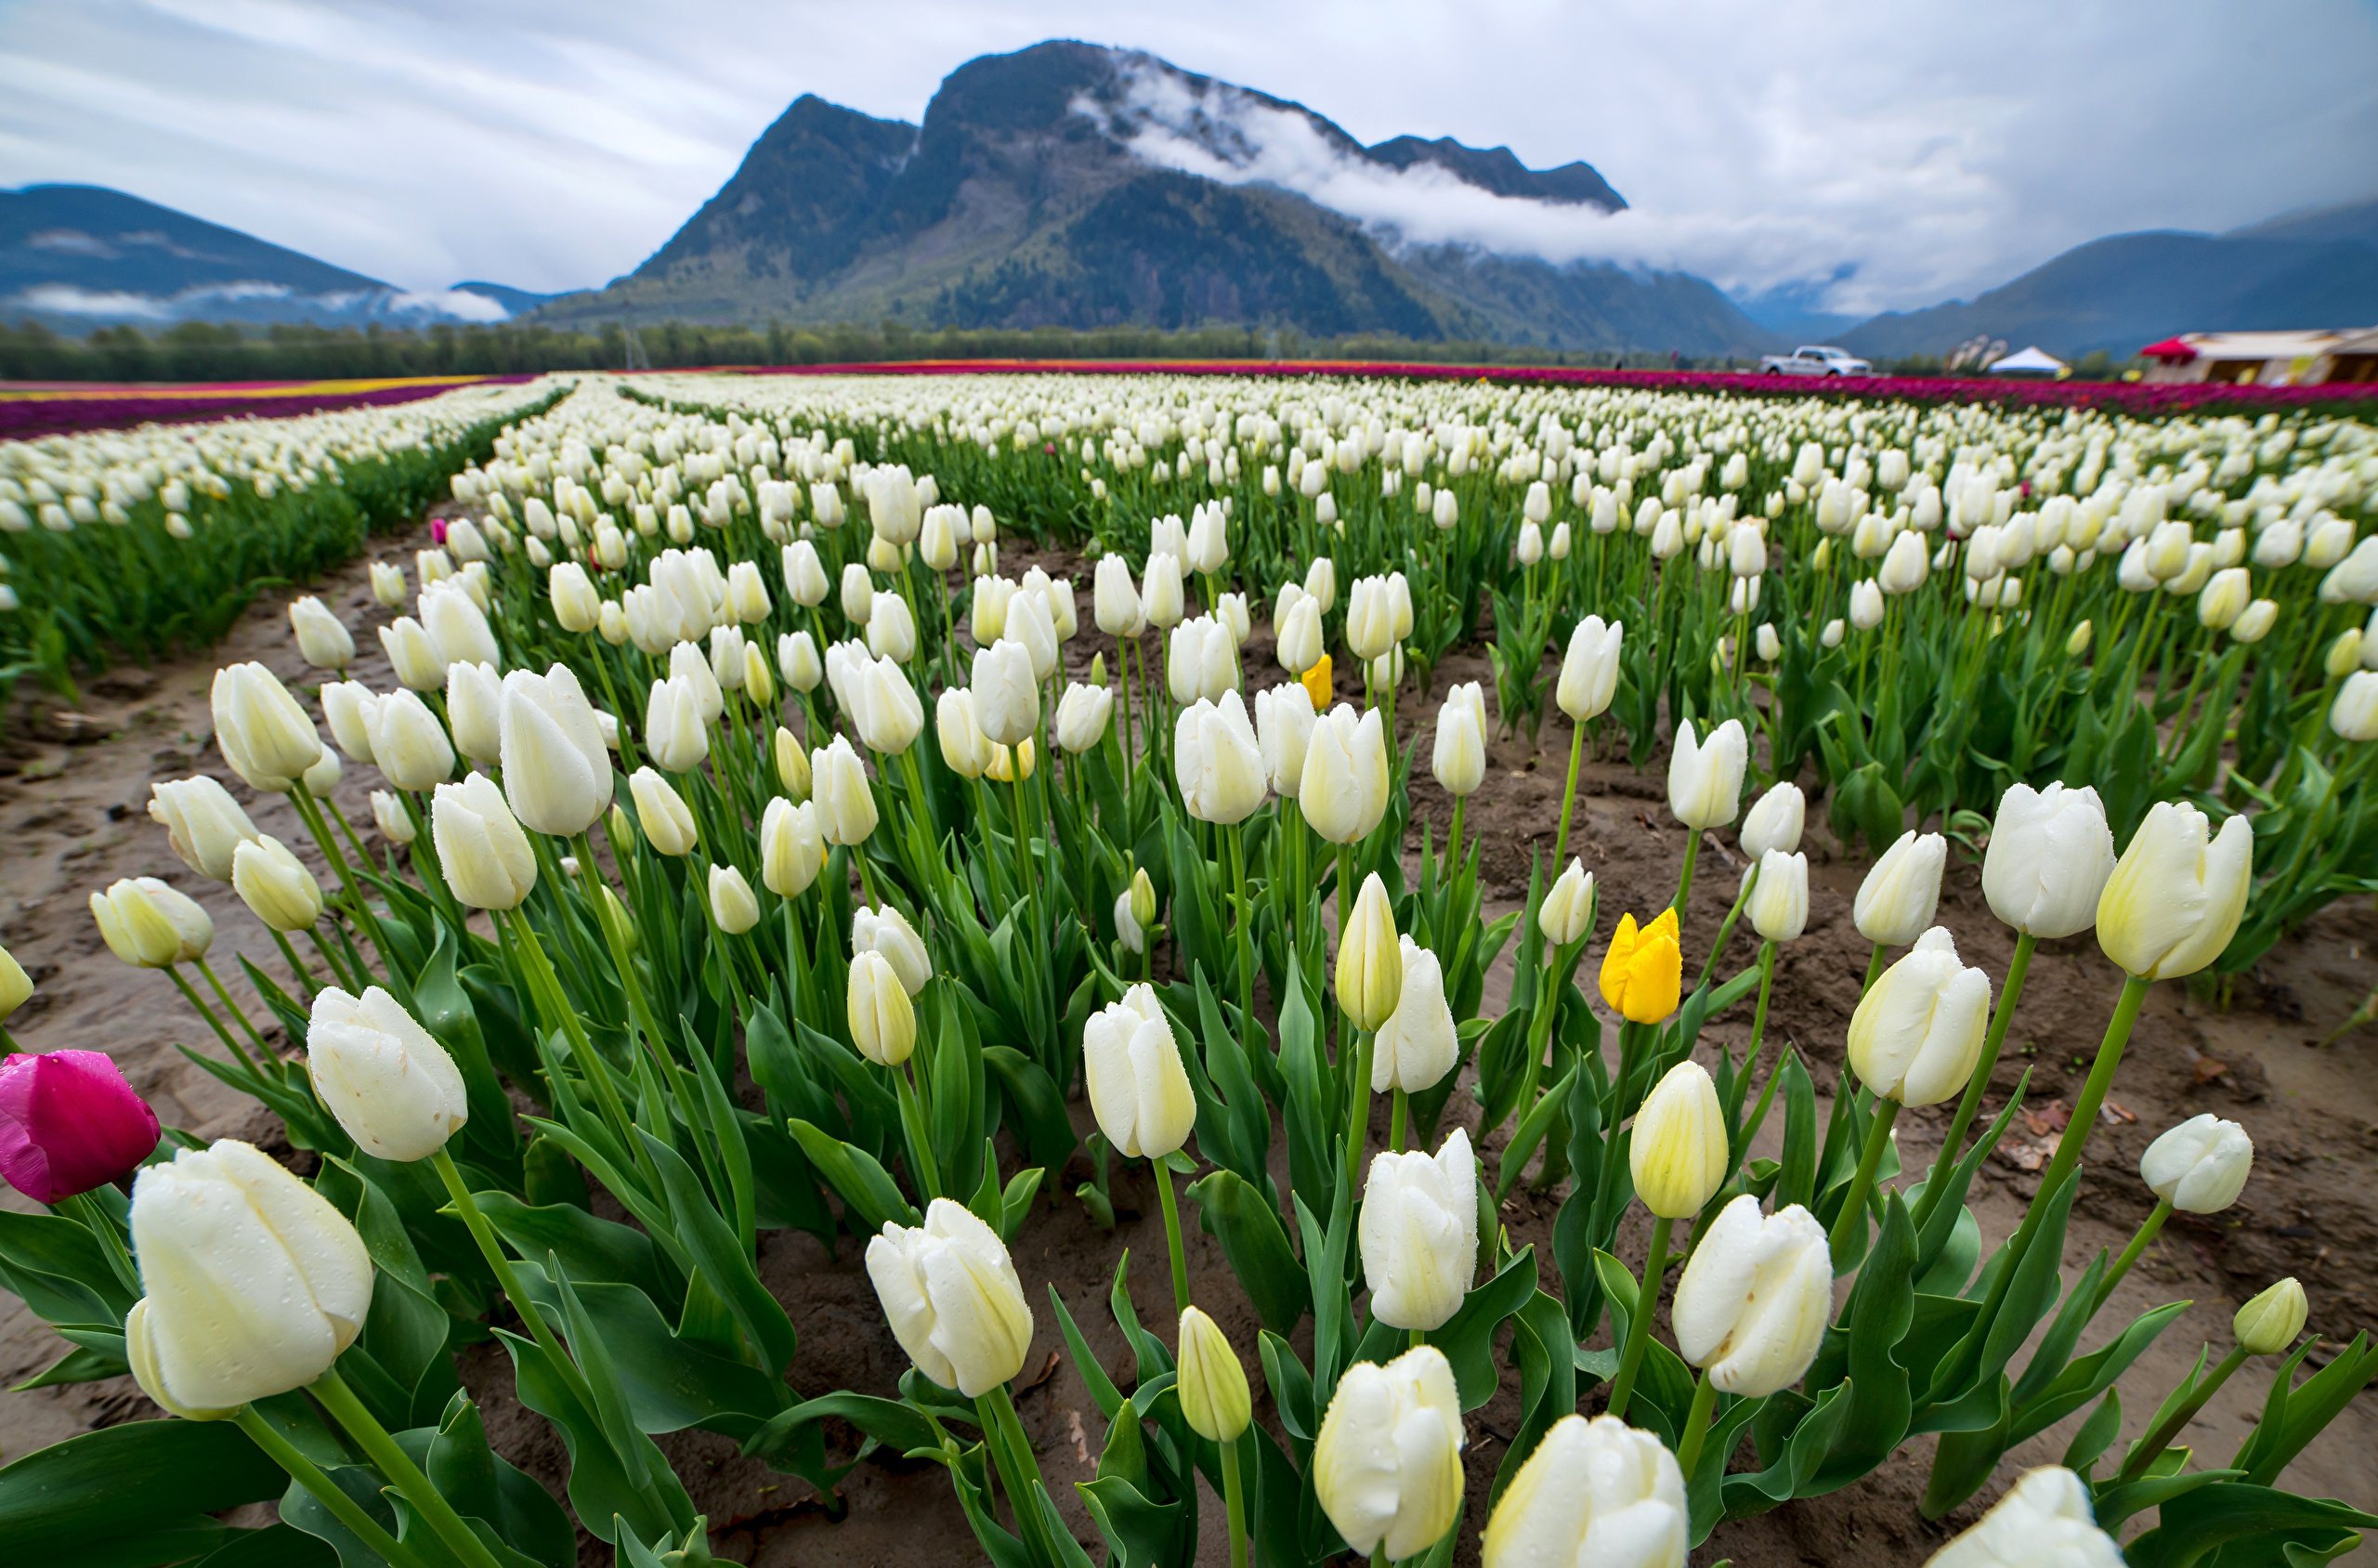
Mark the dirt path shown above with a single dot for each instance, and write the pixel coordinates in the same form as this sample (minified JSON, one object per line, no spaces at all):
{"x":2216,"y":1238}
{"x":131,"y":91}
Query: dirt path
{"x":73,"y":818}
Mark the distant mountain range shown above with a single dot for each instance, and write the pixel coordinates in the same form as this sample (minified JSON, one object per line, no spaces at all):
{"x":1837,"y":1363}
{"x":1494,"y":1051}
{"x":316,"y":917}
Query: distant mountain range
{"x":1073,"y":185}
{"x":77,"y":256}
{"x":2305,"y":269}
{"x":1027,"y":197}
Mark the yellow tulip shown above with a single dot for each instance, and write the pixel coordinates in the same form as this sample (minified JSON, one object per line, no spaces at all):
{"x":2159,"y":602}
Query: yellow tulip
{"x":1642,"y":976}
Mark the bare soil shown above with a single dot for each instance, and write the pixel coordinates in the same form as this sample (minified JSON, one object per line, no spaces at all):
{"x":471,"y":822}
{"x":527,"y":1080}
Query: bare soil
{"x":74,"y":791}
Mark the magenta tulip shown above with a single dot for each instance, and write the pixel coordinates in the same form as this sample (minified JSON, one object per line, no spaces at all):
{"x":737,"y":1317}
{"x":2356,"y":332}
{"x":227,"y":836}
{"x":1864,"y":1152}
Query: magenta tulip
{"x":68,"y":1123}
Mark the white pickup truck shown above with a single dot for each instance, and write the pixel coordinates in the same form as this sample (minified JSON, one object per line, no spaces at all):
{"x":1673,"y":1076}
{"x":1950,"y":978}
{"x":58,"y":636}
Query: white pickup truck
{"x":1815,"y":360}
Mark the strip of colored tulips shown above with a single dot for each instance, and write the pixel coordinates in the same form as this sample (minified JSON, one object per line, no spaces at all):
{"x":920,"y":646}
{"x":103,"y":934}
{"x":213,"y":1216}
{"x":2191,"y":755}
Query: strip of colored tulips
{"x":672,"y":895}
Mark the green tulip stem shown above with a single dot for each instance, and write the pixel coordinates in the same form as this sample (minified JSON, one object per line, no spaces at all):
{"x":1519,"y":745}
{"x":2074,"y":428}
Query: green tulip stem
{"x":1012,"y":1450}
{"x":330,"y":960}
{"x":1399,"y":1113}
{"x":1696,"y":1424}
{"x":1767,"y":951}
{"x":1028,"y":876}
{"x":1454,"y":856}
{"x":1245,"y":931}
{"x":1569,"y":802}
{"x":215,"y":983}
{"x":615,"y":937}
{"x":476,"y":1222}
{"x":1163,"y":1172}
{"x":354,"y":839}
{"x":1234,"y":1503}
{"x":1639,"y":1323}
{"x":1684,"y":883}
{"x":1358,"y":1117}
{"x":367,"y":925}
{"x":2147,"y":1449}
{"x":399,"y":1470}
{"x":546,"y":987}
{"x":189,"y":993}
{"x":1851,"y":1220}
{"x":1123,"y":682}
{"x":102,"y":1226}
{"x":307,"y":1474}
{"x":2146,"y":1235}
{"x":305,"y":979}
{"x":1726,"y":930}
{"x":1873,"y":971}
{"x":2093,"y":1093}
{"x":923,"y":1165}
{"x":1953,"y":1144}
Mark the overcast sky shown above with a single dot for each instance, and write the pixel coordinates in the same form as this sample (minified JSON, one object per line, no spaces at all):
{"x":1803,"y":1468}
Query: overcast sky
{"x":1935,"y":150}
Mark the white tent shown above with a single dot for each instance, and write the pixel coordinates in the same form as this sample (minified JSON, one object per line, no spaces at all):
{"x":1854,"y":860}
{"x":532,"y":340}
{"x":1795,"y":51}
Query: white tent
{"x":2028,"y":361}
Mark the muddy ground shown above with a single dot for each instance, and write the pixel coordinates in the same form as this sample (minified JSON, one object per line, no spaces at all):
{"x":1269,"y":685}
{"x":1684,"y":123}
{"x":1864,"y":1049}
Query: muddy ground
{"x":73,"y":791}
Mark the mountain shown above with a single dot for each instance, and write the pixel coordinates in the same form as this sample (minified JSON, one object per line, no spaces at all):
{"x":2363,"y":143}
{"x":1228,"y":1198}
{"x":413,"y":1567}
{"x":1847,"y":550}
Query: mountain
{"x":79,"y":257}
{"x":2317,"y":268}
{"x":1073,"y":185}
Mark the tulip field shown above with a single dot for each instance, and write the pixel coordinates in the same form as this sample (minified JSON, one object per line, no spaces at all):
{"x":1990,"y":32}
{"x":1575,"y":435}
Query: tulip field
{"x":1159,"y":969}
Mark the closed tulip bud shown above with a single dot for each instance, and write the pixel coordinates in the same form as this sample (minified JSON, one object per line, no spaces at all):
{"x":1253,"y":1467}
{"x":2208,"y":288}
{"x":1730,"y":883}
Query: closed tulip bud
{"x":1643,"y":974}
{"x":2078,"y":642}
{"x":1906,"y":565}
{"x":1370,"y":963}
{"x":882,"y":1021}
{"x":391,"y":1086}
{"x":2050,"y":854}
{"x":733,"y":907}
{"x":481,"y":849}
{"x":149,"y":925}
{"x":1300,"y":636}
{"x":2254,"y":622}
{"x":16,"y":985}
{"x":1160,"y":595}
{"x":2224,"y":598}
{"x":475,"y":710}
{"x":2268,"y":1324}
{"x":1416,"y":1047}
{"x":407,"y":742}
{"x":805,"y":574}
{"x":1567,"y":911}
{"x":2177,"y":893}
{"x":576,"y":605}
{"x":1867,"y":605}
{"x":2042,"y":1521}
{"x":1201,"y":662}
{"x":1082,"y":715}
{"x":388,"y":584}
{"x":1217,"y":763}
{"x":1387,"y":1466}
{"x":747,"y":595}
{"x":456,"y":625}
{"x":2353,"y":714}
{"x":556,"y":770}
{"x":1371,"y":619}
{"x":68,"y":1122}
{"x":1706,"y":777}
{"x":1211,"y":1381}
{"x":1459,"y":759}
{"x":885,"y":930}
{"x":275,"y":885}
{"x":759,"y":684}
{"x":1598,"y":1493}
{"x":2344,"y":655}
{"x":1779,"y":900}
{"x":1115,"y":599}
{"x":323,"y":777}
{"x":390,"y":815}
{"x":858,"y":594}
{"x":1345,"y":785}
{"x":254,"y":1283}
{"x":951,"y":1292}
{"x":1775,"y":821}
{"x":347,"y":708}
{"x":673,"y":730}
{"x":1918,"y":1032}
{"x":792,"y":764}
{"x":1530,"y":549}
{"x":2200,"y":1165}
{"x":1128,"y":927}
{"x":891,"y":630}
{"x":1005,"y":698}
{"x":797,"y":660}
{"x":1418,"y":1233}
{"x":1229,"y":610}
{"x":1138,"y":1089}
{"x":322,"y":639}
{"x":1678,"y":1151}
{"x":1896,"y":902}
{"x":846,"y":804}
{"x":667,"y":821}
{"x":1752,"y":1304}
{"x":263,"y":734}
{"x":792,"y":851}
{"x":204,"y":825}
{"x":1589,"y":669}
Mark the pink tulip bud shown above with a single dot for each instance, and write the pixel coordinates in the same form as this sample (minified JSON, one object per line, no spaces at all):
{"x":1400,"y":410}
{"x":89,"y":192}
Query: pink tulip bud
{"x":68,"y":1123}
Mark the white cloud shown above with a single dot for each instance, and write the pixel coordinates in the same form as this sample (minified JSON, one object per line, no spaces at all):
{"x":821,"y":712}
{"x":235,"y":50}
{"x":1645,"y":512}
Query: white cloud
{"x":68,"y":300}
{"x":551,"y":144}
{"x":462,"y":305}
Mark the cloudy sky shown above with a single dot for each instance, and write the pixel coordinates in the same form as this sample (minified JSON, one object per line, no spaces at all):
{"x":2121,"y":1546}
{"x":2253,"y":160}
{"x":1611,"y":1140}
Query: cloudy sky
{"x":1909,"y":152}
